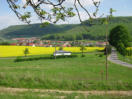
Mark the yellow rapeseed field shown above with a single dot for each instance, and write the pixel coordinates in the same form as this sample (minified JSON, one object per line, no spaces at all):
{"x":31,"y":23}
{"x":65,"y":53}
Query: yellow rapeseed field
{"x":10,"y":51}
{"x":129,"y":48}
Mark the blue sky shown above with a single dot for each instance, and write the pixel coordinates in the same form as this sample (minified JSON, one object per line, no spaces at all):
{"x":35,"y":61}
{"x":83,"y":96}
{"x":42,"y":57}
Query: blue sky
{"x":122,"y":7}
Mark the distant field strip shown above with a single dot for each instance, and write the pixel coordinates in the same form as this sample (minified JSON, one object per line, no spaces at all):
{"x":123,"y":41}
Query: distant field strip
{"x":10,"y":51}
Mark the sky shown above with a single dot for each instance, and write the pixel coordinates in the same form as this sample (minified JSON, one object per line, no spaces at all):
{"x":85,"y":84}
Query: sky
{"x":122,"y":7}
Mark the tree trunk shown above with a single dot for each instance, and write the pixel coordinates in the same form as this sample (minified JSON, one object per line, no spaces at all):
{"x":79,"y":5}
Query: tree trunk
{"x":55,"y":49}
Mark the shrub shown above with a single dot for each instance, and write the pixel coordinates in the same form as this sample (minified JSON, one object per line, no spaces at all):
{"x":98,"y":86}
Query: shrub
{"x":129,"y":52}
{"x":83,"y":55}
{"x":121,"y":49}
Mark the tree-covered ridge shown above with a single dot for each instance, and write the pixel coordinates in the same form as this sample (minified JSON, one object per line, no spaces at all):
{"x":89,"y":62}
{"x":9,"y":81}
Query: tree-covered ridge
{"x":92,"y":31}
{"x":33,"y":30}
{"x":86,"y":30}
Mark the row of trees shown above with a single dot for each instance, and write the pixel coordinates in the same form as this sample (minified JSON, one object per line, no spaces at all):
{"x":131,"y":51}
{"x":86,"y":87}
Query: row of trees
{"x":72,"y":37}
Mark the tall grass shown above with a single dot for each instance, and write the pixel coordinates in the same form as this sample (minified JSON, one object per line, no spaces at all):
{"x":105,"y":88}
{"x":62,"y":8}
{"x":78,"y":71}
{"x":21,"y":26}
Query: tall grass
{"x":79,"y":73}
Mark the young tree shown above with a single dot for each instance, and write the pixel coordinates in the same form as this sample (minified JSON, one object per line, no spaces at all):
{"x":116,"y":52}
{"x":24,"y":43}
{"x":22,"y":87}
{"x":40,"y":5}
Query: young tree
{"x":106,"y":21}
{"x":82,"y":49}
{"x":61,"y":48}
{"x":26,"y":52}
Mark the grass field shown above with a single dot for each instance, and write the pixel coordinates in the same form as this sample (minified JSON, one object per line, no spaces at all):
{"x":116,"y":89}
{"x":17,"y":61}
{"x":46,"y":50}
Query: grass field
{"x":79,"y":73}
{"x":127,"y":59}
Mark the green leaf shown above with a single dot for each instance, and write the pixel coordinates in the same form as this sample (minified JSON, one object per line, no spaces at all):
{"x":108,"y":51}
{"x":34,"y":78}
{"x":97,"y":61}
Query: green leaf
{"x":43,"y":12}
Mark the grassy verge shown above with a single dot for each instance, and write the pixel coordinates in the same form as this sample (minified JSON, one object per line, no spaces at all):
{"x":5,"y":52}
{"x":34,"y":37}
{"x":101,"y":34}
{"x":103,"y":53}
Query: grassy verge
{"x":5,"y":96}
{"x":127,"y":59}
{"x":39,"y":95}
{"x":79,"y":73}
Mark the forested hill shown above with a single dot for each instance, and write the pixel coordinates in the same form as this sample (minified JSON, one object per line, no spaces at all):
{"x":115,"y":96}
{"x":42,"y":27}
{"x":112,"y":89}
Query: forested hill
{"x":95,"y":31}
{"x":33,"y":30}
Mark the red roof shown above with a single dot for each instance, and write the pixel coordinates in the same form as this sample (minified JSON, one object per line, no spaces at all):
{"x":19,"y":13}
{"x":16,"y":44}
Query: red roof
{"x":30,"y":44}
{"x":13,"y":44}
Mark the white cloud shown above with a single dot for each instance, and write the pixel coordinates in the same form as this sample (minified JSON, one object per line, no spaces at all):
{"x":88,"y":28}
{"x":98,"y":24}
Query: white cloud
{"x":24,"y":1}
{"x":83,"y":2}
{"x":69,"y":2}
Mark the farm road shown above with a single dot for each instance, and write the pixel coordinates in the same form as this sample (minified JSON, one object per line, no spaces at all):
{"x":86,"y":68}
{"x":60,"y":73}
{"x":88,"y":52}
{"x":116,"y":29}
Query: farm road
{"x":114,"y":59}
{"x":15,"y":90}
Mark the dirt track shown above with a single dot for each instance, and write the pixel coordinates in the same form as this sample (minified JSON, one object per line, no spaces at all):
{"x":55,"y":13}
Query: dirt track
{"x":15,"y":90}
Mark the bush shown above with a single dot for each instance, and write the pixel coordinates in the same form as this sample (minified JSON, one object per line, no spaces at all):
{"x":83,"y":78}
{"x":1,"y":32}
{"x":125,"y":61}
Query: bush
{"x":129,"y":52}
{"x":121,"y":49}
{"x":83,"y":55}
{"x":4,"y":43}
{"x":100,"y":55}
{"x":18,"y":58}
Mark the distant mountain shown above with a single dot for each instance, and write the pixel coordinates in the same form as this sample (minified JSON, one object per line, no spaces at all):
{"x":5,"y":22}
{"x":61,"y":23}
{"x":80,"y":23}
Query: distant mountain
{"x":85,"y":30}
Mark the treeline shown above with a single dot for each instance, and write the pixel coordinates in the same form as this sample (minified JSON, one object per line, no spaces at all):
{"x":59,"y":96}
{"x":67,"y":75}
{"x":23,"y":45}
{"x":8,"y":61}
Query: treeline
{"x":4,"y":43}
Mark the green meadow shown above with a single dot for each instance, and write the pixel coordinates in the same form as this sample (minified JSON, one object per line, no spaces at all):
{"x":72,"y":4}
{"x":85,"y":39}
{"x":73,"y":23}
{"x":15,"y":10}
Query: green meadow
{"x":127,"y":59}
{"x":77,"y":73}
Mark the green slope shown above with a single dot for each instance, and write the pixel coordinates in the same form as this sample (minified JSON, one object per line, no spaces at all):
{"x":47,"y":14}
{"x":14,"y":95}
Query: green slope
{"x":33,"y":30}
{"x":67,"y":32}
{"x":92,"y":32}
